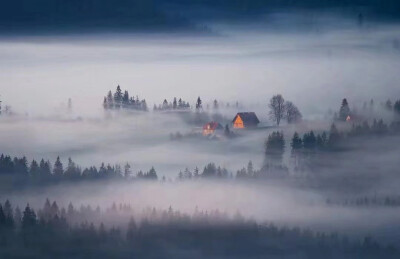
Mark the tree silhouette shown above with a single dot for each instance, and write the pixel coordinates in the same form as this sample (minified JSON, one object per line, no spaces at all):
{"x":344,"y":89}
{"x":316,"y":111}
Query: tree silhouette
{"x":58,"y":168}
{"x":275,"y":145}
{"x":199,"y":104}
{"x":344,"y":111}
{"x":277,"y":108}
{"x":293,"y":114}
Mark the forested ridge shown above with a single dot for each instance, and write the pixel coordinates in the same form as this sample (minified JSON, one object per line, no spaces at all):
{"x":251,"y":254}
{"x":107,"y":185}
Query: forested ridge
{"x":64,"y":233}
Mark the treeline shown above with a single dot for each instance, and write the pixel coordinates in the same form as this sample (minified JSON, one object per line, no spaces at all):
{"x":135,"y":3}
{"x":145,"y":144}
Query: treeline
{"x":168,"y":234}
{"x":175,"y":105}
{"x":367,"y":201}
{"x":211,"y":171}
{"x":336,"y":139}
{"x":17,"y":171}
{"x":327,"y":140}
{"x":367,"y":111}
{"x":119,"y":100}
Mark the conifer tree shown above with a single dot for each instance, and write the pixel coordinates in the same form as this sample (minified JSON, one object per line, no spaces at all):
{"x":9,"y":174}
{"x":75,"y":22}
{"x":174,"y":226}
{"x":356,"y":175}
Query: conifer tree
{"x":250,"y":170}
{"x":196,"y":172}
{"x":215,"y":105}
{"x":296,"y":143}
{"x":132,"y":230}
{"x":344,"y":111}
{"x":309,"y":141}
{"x":127,"y":170}
{"x":28,"y":218}
{"x":118,"y":97}
{"x":174,"y":104}
{"x":275,"y":145}
{"x":45,"y":170}
{"x":2,"y":217}
{"x":105,"y":104}
{"x":125,"y":99}
{"x":389,"y":105}
{"x":199,"y":105}
{"x":334,"y":137}
{"x":9,"y":214}
{"x":17,"y":216}
{"x":110,"y":100}
{"x":396,"y":107}
{"x":34,"y":170}
{"x":58,"y":168}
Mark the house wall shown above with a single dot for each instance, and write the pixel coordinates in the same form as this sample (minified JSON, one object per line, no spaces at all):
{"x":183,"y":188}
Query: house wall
{"x":238,"y":123}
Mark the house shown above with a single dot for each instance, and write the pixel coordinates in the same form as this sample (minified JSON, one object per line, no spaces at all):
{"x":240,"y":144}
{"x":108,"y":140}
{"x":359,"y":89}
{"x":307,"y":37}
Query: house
{"x":245,"y":120}
{"x":211,"y":128}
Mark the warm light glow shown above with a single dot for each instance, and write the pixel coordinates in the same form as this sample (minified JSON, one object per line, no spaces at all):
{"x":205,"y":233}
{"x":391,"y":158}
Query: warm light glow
{"x":348,"y":118}
{"x":238,"y":124}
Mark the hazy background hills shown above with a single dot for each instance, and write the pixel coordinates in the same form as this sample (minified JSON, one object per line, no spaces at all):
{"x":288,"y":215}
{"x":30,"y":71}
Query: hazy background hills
{"x":166,"y":15}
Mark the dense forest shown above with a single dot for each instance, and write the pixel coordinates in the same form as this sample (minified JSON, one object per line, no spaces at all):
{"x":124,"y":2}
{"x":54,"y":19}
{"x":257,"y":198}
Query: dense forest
{"x":65,"y":233}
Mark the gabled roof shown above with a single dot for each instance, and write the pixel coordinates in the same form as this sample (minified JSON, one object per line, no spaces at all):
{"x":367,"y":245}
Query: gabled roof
{"x":249,"y":118}
{"x":212,"y":126}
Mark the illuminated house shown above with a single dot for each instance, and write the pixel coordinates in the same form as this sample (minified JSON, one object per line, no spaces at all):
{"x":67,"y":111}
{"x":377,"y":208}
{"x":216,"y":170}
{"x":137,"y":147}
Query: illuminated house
{"x":245,"y":120}
{"x":211,"y":127}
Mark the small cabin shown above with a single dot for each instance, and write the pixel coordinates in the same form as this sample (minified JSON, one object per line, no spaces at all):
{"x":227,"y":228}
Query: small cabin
{"x":211,"y":128}
{"x":244,"y":120}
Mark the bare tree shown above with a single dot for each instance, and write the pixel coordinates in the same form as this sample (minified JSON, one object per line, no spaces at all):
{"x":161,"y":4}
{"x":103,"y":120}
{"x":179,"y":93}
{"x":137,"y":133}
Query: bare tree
{"x":277,"y":108}
{"x":293,"y":114}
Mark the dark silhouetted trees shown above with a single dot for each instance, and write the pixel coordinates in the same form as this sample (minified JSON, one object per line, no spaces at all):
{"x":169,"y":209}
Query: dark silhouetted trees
{"x":121,"y":99}
{"x":179,"y":105}
{"x":162,"y":232}
{"x":199,"y":104}
{"x":344,"y":111}
{"x":277,"y":108}
{"x":396,"y":107}
{"x":293,"y":115}
{"x":275,"y":145}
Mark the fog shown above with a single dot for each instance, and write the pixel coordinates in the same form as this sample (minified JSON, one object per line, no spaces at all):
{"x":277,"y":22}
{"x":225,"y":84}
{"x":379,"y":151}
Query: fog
{"x":314,"y":65}
{"x":238,"y":63}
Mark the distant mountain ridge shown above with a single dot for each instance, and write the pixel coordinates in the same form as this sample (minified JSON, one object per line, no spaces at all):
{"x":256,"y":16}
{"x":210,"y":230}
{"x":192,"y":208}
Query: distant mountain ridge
{"x":64,"y":15}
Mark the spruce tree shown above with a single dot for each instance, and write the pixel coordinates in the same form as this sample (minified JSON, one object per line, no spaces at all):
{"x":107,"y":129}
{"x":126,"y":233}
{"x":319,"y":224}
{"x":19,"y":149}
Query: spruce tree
{"x":9,"y":214}
{"x":110,"y":100}
{"x":118,"y":97}
{"x":334,"y":137}
{"x":275,"y":145}
{"x":215,"y":105}
{"x":105,"y":104}
{"x":344,"y":111}
{"x":396,"y":107}
{"x":250,"y":169}
{"x":174,"y":104}
{"x":28,"y":218}
{"x":199,"y":104}
{"x":296,"y":143}
{"x":58,"y":168}
{"x":34,"y":170}
{"x":125,"y":99}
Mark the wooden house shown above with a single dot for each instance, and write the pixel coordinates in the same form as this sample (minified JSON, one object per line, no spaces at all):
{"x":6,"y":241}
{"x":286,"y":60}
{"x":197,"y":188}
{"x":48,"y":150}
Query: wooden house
{"x":245,"y":120}
{"x":211,"y":128}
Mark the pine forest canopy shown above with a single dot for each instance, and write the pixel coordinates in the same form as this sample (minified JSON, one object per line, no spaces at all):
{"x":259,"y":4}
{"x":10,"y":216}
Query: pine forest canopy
{"x":120,"y":100}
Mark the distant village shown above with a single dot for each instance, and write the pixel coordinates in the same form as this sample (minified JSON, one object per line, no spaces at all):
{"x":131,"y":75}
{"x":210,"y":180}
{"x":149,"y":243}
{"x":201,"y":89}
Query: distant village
{"x":208,"y":121}
{"x":212,"y":127}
